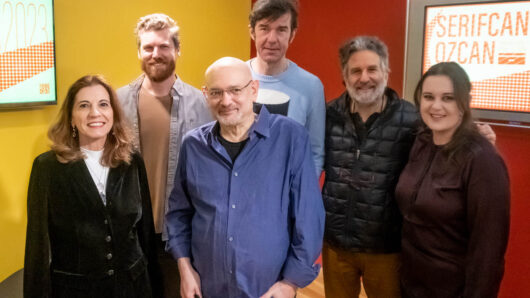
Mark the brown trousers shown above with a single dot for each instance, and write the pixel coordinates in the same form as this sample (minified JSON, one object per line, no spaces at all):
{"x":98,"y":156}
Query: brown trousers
{"x":343,"y":271}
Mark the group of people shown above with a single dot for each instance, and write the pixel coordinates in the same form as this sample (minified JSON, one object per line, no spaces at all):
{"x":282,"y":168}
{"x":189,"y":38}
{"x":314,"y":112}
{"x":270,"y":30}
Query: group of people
{"x":161,"y":190}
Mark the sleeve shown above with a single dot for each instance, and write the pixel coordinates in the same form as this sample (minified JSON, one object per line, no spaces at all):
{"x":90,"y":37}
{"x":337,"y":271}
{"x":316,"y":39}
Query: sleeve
{"x":180,"y":211}
{"x":146,"y":231}
{"x":37,"y":256}
{"x":307,"y":215}
{"x":316,"y":125}
{"x":488,"y":195}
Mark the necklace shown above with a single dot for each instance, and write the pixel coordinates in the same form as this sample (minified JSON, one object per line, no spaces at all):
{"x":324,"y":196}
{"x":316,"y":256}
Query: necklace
{"x":381,"y":105}
{"x":354,"y":110}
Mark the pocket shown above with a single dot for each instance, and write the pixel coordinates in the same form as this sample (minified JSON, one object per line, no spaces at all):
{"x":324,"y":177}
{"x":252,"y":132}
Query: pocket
{"x":140,"y":279}
{"x":138,"y":267}
{"x":66,"y":280}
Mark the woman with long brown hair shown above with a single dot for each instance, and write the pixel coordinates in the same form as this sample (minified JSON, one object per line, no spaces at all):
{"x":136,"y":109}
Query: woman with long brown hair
{"x":454,"y":196}
{"x":90,"y":229}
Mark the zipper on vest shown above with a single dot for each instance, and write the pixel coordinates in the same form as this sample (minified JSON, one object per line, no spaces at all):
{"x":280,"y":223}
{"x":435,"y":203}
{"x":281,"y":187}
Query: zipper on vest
{"x":357,"y":153}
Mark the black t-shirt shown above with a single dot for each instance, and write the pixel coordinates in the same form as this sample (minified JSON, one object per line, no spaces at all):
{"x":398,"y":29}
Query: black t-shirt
{"x":233,"y":149}
{"x":362,"y":127}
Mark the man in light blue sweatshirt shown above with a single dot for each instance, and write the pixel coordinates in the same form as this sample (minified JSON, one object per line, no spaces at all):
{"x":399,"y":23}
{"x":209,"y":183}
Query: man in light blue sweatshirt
{"x":285,"y":88}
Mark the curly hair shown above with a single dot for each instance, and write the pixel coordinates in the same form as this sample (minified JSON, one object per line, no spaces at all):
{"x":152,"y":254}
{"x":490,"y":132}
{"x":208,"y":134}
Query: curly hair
{"x":155,"y":22}
{"x":361,"y":43}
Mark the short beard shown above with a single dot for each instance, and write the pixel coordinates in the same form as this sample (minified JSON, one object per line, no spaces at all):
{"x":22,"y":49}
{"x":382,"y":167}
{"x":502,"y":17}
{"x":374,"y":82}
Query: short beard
{"x":159,"y":74}
{"x":367,"y":98}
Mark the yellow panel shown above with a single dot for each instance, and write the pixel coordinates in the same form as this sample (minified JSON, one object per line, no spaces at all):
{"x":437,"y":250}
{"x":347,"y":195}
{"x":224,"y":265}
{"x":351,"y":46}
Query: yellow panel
{"x":97,"y":37}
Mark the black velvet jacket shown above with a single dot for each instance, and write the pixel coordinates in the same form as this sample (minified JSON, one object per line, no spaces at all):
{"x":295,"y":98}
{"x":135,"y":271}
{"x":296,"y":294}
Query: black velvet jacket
{"x":78,"y":247}
{"x":358,"y":193}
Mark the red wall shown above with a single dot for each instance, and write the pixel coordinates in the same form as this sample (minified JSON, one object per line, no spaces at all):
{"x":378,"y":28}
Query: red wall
{"x":324,"y":25}
{"x":514,"y":146}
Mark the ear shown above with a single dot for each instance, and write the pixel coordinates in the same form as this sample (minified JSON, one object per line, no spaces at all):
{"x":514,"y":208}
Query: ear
{"x":293,"y":33}
{"x":205,"y":93}
{"x":251,"y":32}
{"x":254,"y":87}
{"x":139,"y":55}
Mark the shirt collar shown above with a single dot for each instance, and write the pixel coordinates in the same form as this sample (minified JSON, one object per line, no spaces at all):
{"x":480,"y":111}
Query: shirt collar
{"x":260,"y":127}
{"x":261,"y":124}
{"x":177,"y":87}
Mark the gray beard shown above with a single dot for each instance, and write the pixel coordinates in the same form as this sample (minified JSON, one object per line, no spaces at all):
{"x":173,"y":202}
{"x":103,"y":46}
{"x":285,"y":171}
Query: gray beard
{"x":367,"y":97}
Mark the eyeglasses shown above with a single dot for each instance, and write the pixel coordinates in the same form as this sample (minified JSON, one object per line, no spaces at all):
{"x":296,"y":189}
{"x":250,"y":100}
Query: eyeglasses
{"x":218,"y":93}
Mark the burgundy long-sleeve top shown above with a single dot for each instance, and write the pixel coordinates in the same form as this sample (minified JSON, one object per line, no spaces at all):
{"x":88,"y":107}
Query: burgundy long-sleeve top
{"x":455,"y":220}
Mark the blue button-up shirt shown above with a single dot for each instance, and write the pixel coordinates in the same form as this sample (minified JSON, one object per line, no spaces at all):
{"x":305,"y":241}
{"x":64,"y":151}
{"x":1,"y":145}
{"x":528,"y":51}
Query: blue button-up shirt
{"x":251,"y":223}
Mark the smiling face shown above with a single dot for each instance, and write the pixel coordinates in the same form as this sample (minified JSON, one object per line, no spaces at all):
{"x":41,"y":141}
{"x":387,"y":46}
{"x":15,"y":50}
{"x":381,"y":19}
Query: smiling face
{"x":92,"y":116}
{"x":157,"y":52}
{"x":439,"y":109}
{"x":272,"y":38}
{"x":231,"y":92}
{"x":364,"y":77}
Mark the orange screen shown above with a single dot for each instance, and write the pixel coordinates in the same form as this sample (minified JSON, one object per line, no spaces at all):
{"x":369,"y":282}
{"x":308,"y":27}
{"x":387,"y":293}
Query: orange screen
{"x":491,"y":42}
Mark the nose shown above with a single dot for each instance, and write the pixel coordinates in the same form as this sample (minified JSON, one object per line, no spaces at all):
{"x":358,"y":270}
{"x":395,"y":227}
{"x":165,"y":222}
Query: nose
{"x":436,"y":104}
{"x":364,"y":76}
{"x":94,"y":111}
{"x":226,"y":98}
{"x":156,"y":52}
{"x":272,"y":36}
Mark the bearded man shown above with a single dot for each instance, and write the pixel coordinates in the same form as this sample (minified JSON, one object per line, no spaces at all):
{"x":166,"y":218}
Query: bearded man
{"x":369,"y":133}
{"x":161,"y":108}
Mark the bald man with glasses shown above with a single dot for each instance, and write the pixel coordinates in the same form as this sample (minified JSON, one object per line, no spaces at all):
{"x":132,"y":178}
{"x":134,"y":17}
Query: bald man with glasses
{"x":245,"y":217}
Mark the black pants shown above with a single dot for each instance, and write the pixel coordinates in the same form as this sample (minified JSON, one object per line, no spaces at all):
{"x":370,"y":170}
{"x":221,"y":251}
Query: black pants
{"x":170,"y":272}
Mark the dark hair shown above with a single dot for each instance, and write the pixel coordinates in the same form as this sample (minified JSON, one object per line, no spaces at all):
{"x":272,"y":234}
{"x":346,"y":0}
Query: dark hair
{"x":361,"y":43}
{"x":118,"y":146}
{"x":467,"y":130}
{"x":273,"y":9}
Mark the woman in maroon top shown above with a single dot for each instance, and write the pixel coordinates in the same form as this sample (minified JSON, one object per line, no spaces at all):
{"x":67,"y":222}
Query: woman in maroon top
{"x":454,"y":197}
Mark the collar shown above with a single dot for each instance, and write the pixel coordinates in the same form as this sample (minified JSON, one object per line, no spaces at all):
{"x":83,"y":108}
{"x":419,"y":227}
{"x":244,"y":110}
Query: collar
{"x":261,"y":124}
{"x":177,"y":88}
{"x":260,"y":127}
{"x":274,"y":78}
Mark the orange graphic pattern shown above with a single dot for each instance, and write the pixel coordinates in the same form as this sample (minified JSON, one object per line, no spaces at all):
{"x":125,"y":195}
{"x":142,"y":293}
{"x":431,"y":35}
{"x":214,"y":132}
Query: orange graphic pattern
{"x":24,"y":63}
{"x":506,"y":93}
{"x":512,"y":58}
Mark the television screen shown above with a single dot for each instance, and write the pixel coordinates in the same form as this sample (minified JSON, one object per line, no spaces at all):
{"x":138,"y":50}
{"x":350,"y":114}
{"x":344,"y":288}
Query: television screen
{"x":489,"y":39}
{"x":27,"y":59}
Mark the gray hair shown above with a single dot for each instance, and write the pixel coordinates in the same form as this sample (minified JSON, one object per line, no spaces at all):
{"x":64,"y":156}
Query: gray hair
{"x":361,"y":43}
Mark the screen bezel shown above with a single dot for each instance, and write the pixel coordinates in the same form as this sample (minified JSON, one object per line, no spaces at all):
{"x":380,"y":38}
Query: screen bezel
{"x":416,"y":10}
{"x":33,"y":104}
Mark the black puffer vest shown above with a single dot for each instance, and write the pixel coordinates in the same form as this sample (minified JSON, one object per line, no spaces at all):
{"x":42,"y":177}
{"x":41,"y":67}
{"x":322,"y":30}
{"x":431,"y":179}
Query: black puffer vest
{"x":358,"y":193}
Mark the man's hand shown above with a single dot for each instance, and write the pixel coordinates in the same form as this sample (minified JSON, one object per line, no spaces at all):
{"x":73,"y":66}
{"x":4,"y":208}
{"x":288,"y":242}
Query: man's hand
{"x":486,"y":131}
{"x":281,"y":289}
{"x":190,"y":282}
